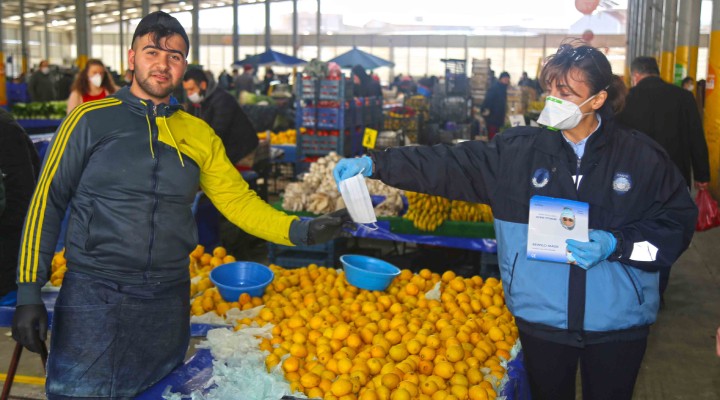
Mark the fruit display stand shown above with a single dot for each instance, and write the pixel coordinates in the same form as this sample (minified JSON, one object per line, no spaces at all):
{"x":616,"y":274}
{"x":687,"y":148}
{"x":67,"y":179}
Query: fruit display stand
{"x":319,"y":335}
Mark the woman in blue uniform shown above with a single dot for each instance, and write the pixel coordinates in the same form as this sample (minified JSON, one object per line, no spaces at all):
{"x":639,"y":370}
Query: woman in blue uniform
{"x":596,"y":312}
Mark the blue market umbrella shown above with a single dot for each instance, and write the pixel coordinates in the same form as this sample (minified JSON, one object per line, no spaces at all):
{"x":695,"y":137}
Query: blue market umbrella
{"x":270,"y":57}
{"x":358,"y":57}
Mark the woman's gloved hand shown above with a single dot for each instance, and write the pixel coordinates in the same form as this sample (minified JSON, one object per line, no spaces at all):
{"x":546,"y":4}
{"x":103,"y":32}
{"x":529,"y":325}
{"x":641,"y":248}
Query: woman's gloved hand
{"x":349,"y":167}
{"x":599,"y":248}
{"x":29,"y":327}
{"x":321,"y":229}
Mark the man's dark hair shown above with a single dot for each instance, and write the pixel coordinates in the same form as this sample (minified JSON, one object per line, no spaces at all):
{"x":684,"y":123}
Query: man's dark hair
{"x":160,"y":25}
{"x":645,"y":66}
{"x":504,"y":74}
{"x":195,"y":74}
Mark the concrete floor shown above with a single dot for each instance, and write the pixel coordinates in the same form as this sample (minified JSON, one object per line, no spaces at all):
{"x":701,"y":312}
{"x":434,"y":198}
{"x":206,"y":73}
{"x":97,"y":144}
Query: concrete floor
{"x":680,"y":362}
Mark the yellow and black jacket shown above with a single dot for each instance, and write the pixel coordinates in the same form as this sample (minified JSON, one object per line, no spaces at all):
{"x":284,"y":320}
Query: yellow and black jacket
{"x":129,"y":171}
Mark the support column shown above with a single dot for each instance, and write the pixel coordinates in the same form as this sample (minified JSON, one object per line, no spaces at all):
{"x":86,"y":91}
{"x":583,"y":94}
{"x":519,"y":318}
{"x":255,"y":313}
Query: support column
{"x":295,"y":29}
{"x":712,"y":101}
{"x":23,"y":40}
{"x":195,"y":41}
{"x":391,"y":75}
{"x":81,"y":33}
{"x":236,"y":32}
{"x":46,"y":33}
{"x":656,"y":30}
{"x":632,"y":37}
{"x":122,"y":38}
{"x":688,"y":38}
{"x":317,"y":29}
{"x":145,"y":7}
{"x":3,"y":94}
{"x":667,"y":56}
{"x":267,"y":25}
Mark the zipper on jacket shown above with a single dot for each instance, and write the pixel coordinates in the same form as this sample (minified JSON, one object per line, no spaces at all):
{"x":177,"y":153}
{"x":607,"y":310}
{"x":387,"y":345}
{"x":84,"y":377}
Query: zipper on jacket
{"x":512,"y":274}
{"x":632,"y":281}
{"x":577,"y":175}
{"x":156,"y":162}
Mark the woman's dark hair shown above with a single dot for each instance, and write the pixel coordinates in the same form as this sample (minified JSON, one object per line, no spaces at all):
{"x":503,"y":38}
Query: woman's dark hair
{"x":82,"y":84}
{"x":591,"y":62}
{"x":619,"y":87}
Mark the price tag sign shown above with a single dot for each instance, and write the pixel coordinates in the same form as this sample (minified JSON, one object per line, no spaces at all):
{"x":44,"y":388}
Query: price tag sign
{"x":369,"y":138}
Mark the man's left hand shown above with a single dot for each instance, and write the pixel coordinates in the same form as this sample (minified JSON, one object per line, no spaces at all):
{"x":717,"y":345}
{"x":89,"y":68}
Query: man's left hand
{"x":599,"y":248}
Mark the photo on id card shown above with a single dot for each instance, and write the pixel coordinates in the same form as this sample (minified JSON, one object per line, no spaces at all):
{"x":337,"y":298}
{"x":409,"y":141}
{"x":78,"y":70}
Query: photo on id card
{"x":551,"y":222}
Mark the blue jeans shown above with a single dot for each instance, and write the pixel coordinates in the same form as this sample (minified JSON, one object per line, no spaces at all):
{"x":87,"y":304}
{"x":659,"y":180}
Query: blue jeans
{"x":112,"y":340}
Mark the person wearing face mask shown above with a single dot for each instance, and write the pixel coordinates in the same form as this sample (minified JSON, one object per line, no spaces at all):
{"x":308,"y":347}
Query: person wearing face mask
{"x":92,"y":83}
{"x":597,"y":312}
{"x":129,"y":166}
{"x":41,"y":86}
{"x":222,"y":112}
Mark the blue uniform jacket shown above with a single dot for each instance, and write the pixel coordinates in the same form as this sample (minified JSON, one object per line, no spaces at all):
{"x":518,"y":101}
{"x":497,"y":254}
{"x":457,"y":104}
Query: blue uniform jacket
{"x":633,"y":189}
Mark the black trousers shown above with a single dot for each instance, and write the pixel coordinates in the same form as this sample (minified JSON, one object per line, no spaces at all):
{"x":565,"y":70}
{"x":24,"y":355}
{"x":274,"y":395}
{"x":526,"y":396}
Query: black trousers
{"x":608,"y":370}
{"x":9,"y":246}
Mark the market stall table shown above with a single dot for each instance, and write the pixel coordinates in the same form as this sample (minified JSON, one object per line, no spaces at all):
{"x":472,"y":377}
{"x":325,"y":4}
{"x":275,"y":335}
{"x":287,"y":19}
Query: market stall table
{"x":196,"y":372}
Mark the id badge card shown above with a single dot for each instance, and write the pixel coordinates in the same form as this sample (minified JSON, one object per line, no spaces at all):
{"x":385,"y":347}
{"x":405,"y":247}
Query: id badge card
{"x":551,"y":222}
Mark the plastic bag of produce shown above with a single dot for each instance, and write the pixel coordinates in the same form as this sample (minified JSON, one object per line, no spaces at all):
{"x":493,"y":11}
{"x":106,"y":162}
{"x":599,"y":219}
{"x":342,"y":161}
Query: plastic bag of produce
{"x":708,"y":215}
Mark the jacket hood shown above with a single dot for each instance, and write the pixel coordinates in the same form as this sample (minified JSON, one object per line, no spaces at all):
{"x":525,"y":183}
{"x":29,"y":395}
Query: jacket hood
{"x":146,"y":106}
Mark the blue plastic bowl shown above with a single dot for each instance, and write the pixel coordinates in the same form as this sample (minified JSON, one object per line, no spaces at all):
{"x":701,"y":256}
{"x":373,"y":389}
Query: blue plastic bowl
{"x":233,"y":279}
{"x":368,"y":272}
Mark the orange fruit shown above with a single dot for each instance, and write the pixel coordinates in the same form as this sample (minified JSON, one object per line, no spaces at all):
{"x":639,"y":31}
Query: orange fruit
{"x":341,"y":387}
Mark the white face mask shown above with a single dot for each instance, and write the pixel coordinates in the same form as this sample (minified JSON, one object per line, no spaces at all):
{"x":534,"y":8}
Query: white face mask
{"x":562,"y":114}
{"x":195,"y":97}
{"x":355,"y":194}
{"x":45,"y":70}
{"x":96,"y":80}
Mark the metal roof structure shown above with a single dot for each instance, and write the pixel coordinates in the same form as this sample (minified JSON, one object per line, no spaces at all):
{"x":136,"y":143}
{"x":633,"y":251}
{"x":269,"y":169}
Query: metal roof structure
{"x":61,"y":13}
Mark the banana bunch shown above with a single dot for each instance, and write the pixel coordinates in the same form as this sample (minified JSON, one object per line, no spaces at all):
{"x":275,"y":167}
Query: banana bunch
{"x":425,"y":211}
{"x":471,"y":212}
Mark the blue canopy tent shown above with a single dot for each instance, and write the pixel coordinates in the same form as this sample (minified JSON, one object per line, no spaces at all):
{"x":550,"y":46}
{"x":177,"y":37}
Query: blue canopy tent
{"x":270,"y":57}
{"x":358,"y":57}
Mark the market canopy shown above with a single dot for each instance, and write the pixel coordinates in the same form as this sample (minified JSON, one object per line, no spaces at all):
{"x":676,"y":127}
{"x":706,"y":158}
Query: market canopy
{"x":362,"y":58}
{"x":270,"y":57}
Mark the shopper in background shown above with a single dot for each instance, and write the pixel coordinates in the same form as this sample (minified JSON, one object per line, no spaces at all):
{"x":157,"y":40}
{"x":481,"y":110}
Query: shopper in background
{"x":222,"y":112}
{"x":525,"y":80}
{"x":92,"y":83}
{"x":267,"y":81}
{"x":494,"y":107}
{"x":41,"y":86}
{"x":597,"y":313}
{"x":131,"y":164}
{"x":688,"y":84}
{"x":364,"y":85}
{"x":669,"y":115}
{"x":127,"y":77}
{"x":19,"y":166}
{"x":246,"y":81}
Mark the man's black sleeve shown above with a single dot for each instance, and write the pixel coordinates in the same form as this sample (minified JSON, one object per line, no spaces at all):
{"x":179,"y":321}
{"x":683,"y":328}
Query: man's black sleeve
{"x":696,"y":139}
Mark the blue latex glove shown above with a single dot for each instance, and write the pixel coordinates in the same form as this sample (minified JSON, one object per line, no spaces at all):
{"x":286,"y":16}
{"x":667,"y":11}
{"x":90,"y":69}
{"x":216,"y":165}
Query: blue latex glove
{"x":599,"y":248}
{"x":349,"y":167}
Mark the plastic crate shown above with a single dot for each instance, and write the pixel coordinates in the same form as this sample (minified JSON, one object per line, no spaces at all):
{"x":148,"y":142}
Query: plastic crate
{"x":325,"y":254}
{"x":308,"y":88}
{"x":319,"y":145}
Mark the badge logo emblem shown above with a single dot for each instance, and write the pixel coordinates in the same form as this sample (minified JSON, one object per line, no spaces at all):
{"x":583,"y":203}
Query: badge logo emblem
{"x":622,"y":183}
{"x":540,"y":178}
